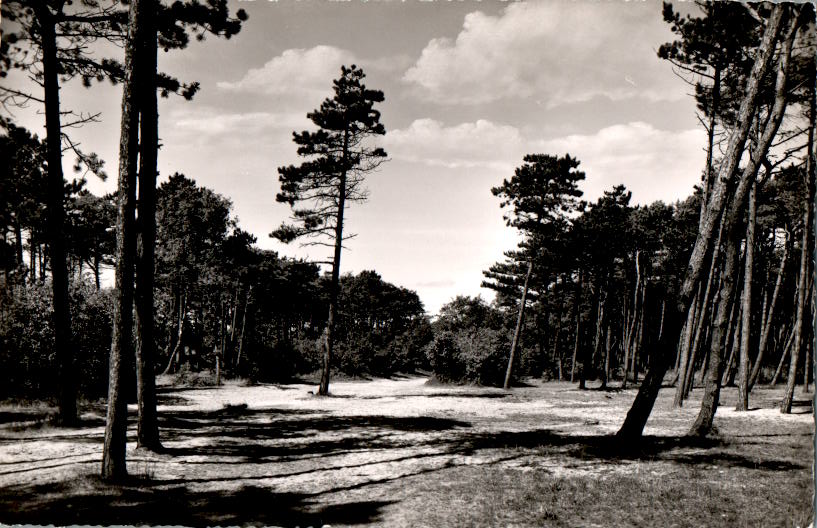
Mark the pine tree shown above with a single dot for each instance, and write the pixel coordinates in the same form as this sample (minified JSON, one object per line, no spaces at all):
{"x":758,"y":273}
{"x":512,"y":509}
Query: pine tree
{"x":339,"y":155}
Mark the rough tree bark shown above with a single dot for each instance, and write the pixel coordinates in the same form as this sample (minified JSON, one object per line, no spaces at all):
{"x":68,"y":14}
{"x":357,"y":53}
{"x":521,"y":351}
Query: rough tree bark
{"x":113,"y":454}
{"x":743,"y":368}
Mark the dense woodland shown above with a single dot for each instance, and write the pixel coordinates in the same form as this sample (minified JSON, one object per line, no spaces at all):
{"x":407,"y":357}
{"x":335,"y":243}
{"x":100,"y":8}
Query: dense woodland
{"x":712,"y":290}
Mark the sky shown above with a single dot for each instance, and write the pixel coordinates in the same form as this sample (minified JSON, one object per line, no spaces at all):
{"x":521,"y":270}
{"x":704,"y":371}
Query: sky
{"x":470,"y":88}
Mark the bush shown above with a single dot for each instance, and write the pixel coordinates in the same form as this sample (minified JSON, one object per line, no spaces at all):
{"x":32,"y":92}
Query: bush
{"x":27,"y":340}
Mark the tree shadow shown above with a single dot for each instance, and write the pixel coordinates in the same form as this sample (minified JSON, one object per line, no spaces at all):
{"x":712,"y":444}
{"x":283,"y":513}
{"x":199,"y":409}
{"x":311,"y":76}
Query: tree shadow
{"x":148,"y":502}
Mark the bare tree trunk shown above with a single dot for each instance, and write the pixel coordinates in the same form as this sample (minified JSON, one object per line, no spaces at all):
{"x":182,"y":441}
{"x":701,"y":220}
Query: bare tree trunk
{"x":578,"y":328}
{"x":113,"y":455}
{"x":606,"y":369}
{"x":67,"y":396}
{"x":518,"y":330}
{"x":743,"y":369}
{"x":805,"y":261}
{"x":735,"y":332}
{"x":243,"y":328}
{"x":323,"y":389}
{"x":767,"y":323}
{"x":685,"y":364}
{"x":174,"y":354}
{"x":147,"y":435}
{"x":711,"y":396}
{"x":783,"y":356}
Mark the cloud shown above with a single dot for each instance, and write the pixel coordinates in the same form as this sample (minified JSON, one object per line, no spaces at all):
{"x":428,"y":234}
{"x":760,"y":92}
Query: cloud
{"x":308,"y":71}
{"x":556,"y":52}
{"x":474,"y":144}
{"x":655,"y":164}
{"x":211,"y":122}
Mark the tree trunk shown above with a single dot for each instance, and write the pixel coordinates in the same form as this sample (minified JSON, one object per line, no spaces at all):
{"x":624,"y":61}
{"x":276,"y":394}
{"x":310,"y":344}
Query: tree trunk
{"x":743,"y":368}
{"x":243,"y":327}
{"x":147,"y":435}
{"x":578,"y":328}
{"x":805,"y":262}
{"x":323,"y":390}
{"x":735,"y":331}
{"x":113,"y":455}
{"x":767,"y":323}
{"x":67,"y":398}
{"x":642,"y":405}
{"x":606,"y":368}
{"x":685,"y":364}
{"x":174,"y":354}
{"x":518,"y":330}
{"x":720,"y":330}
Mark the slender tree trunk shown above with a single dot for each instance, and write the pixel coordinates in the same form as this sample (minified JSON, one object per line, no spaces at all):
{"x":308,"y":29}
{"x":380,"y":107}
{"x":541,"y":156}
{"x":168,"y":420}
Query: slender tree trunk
{"x":735,"y":332}
{"x":743,"y":369}
{"x":63,"y":351}
{"x":96,"y":273}
{"x":783,"y":356}
{"x":323,"y":390}
{"x":518,"y":330}
{"x":147,"y":435}
{"x":174,"y":354}
{"x":606,"y":369}
{"x":243,"y":328}
{"x":767,"y":323}
{"x":805,"y":262}
{"x":113,"y":455}
{"x":578,"y":328}
{"x":18,"y":244}
{"x":642,"y":405}
{"x":686,"y":339}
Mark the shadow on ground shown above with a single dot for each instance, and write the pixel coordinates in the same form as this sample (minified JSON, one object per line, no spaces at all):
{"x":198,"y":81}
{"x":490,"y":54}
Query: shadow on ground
{"x":239,"y":435}
{"x":152,"y":503}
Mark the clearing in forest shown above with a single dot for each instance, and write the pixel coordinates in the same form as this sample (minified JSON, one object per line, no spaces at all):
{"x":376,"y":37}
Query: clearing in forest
{"x":400,"y":452}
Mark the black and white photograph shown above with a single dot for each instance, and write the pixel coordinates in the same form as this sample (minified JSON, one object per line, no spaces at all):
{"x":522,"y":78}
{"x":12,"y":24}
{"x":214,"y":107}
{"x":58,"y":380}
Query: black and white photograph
{"x":407,"y":263}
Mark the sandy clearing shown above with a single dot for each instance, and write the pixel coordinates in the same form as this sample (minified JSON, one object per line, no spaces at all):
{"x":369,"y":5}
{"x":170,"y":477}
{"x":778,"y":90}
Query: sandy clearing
{"x":369,"y":434}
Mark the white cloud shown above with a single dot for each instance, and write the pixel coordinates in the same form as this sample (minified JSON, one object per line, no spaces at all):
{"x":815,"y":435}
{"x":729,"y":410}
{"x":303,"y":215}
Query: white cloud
{"x":556,"y":52}
{"x":213,"y":123}
{"x":654,"y":164}
{"x":477,"y":144}
{"x":305,"y":71}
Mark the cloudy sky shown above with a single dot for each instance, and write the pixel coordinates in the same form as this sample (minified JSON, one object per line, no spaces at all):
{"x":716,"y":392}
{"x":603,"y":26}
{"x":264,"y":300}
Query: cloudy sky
{"x":470,"y":88}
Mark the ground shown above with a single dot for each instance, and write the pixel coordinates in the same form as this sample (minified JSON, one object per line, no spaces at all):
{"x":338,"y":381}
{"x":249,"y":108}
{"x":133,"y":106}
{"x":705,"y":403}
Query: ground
{"x":401,"y":452}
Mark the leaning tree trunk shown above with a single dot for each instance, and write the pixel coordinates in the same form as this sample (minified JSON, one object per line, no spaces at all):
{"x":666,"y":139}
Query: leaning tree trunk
{"x":743,"y":369}
{"x":67,"y":397}
{"x":805,"y":272}
{"x":113,"y":454}
{"x":636,"y":419}
{"x":147,"y":435}
{"x":720,"y":331}
{"x":518,"y":330}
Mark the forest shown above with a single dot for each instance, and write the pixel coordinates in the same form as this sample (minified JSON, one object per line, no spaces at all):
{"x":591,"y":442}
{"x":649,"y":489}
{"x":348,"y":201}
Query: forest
{"x":675,"y":313}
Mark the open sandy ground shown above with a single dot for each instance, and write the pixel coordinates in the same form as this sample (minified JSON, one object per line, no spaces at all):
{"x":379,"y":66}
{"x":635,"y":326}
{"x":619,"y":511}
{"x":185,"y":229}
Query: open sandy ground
{"x":394,"y":453}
